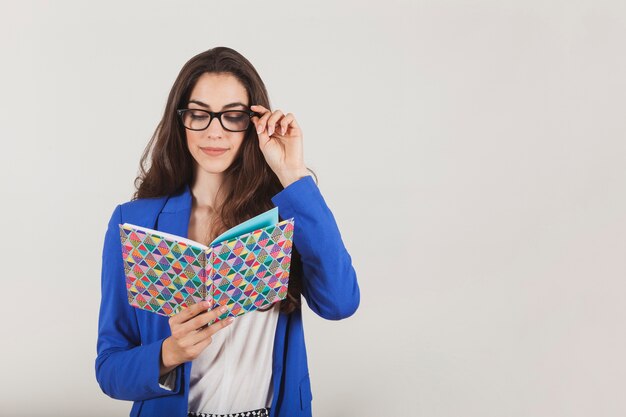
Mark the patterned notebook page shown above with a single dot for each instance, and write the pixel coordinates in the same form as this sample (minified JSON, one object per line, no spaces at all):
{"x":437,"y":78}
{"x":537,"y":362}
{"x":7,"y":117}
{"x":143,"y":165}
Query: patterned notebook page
{"x":252,"y":270}
{"x":164,"y":275}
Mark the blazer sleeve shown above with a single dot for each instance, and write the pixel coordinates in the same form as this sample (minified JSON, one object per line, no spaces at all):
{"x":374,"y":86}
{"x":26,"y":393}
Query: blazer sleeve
{"x":126,"y":368}
{"x":329,"y":282}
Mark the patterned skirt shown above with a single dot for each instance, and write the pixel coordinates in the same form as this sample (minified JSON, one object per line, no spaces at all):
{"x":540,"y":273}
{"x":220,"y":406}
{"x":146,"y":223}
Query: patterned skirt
{"x":261,"y":412}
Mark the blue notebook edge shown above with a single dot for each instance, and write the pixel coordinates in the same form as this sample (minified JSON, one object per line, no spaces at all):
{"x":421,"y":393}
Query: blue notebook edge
{"x":268,"y":218}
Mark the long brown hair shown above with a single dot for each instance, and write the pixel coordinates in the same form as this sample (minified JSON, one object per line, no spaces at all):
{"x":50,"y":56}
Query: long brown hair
{"x":249,"y":183}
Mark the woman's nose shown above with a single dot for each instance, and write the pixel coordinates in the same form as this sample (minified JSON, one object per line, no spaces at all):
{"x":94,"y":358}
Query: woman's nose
{"x":215,"y":126}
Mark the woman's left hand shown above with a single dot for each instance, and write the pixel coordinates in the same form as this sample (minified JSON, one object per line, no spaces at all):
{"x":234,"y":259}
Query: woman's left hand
{"x":280,"y":140}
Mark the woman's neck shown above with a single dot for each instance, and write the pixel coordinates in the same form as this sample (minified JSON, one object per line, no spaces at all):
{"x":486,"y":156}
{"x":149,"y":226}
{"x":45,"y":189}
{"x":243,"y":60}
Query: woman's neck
{"x":205,"y":188}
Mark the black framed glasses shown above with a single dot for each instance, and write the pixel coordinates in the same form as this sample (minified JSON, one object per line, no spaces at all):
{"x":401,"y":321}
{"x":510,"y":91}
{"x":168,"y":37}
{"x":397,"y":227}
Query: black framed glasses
{"x":231,"y":120}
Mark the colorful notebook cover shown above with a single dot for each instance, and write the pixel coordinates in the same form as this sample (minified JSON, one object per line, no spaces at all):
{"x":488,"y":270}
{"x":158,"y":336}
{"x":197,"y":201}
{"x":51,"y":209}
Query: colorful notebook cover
{"x":166,"y":273}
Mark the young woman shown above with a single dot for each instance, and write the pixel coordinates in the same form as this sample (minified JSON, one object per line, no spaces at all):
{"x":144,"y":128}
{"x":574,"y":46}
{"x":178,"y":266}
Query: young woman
{"x":218,"y":157}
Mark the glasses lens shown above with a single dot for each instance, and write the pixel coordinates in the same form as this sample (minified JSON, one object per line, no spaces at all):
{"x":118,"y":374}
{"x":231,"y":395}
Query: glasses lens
{"x":235,"y":120}
{"x":196,"y":119}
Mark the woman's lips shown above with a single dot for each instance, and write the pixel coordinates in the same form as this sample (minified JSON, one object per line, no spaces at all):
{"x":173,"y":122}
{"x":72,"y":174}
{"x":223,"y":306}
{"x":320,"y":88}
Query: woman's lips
{"x":213,"y":151}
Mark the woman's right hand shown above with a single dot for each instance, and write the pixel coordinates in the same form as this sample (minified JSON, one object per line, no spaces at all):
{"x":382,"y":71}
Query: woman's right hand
{"x":190,"y":334}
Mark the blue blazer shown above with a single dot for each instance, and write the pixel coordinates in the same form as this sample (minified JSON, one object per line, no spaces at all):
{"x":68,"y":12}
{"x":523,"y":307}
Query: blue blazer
{"x":129,"y":339}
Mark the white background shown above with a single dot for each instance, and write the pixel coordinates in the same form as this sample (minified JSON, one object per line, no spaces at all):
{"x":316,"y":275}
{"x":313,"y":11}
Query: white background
{"x":473,"y":154}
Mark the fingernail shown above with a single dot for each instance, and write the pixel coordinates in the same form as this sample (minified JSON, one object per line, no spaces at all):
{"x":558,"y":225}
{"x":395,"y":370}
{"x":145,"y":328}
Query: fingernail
{"x":270,"y":131}
{"x":259,"y":129}
{"x":282,"y":131}
{"x":223,"y":309}
{"x":230,"y":319}
{"x":207,"y":303}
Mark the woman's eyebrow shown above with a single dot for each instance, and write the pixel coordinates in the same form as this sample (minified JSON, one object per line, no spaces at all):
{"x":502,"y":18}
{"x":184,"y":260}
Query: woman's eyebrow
{"x":227,"y":106}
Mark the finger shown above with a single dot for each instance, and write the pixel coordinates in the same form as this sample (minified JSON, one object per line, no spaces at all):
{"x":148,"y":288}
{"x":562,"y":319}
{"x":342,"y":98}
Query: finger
{"x":260,"y":126}
{"x":202,"y":319}
{"x":271,"y":122}
{"x":209,"y":331}
{"x":259,"y":110}
{"x":284,"y":123}
{"x":202,"y":341}
{"x":294,"y":123}
{"x":190,"y":312}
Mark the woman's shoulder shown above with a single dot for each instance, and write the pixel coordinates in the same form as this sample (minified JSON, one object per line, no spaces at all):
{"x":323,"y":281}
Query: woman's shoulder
{"x":133,"y":211}
{"x":139,"y":203}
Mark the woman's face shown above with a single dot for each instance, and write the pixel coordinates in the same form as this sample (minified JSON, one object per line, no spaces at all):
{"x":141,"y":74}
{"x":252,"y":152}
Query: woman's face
{"x":216,"y":92}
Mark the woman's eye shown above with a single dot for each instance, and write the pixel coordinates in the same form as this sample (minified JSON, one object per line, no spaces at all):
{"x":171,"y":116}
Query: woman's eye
{"x":234,"y":118}
{"x":198,"y":117}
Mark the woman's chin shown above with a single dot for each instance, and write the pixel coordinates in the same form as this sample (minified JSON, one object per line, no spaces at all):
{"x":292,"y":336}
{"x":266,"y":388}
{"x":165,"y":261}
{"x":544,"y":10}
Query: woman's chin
{"x":214,"y":167}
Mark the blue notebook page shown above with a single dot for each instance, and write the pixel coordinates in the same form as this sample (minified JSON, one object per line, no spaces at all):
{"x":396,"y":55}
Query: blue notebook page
{"x":266,"y":219}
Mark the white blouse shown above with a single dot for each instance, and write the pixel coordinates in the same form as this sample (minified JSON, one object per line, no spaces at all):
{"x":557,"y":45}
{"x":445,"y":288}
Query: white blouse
{"x":234,"y":373}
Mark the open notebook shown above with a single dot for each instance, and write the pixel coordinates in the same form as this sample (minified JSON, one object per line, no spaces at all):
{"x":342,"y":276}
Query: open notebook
{"x":245,"y":268}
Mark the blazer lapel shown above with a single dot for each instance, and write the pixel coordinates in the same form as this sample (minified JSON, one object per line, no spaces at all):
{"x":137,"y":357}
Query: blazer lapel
{"x":174,"y":217}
